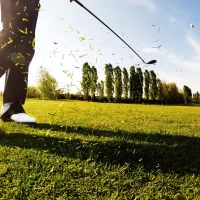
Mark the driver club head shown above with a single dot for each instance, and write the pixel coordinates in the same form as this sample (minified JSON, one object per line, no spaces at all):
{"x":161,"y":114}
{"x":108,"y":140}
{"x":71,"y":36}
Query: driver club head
{"x":151,"y":62}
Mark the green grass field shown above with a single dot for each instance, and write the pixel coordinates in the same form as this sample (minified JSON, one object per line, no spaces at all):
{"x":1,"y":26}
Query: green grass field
{"x":85,"y":150}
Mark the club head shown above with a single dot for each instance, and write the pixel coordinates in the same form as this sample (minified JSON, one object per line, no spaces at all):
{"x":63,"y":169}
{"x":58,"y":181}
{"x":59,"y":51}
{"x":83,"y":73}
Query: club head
{"x":151,"y":62}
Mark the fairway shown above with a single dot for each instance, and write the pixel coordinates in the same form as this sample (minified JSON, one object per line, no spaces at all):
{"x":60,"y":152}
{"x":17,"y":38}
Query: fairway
{"x":86,"y":150}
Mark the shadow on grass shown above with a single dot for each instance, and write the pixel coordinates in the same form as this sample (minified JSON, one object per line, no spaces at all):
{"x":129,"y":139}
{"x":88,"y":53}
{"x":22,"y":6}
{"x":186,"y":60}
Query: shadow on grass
{"x":179,"y":154}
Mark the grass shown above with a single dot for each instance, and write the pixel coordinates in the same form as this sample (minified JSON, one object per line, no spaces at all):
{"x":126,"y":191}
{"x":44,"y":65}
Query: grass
{"x":85,"y":150}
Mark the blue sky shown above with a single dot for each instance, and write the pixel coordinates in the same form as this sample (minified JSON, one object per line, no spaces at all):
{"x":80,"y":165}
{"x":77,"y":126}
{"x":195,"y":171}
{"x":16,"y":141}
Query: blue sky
{"x":64,"y":23}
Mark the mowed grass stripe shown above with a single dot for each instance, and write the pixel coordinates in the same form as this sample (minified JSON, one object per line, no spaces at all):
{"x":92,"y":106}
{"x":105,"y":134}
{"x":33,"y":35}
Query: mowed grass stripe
{"x":82,"y":150}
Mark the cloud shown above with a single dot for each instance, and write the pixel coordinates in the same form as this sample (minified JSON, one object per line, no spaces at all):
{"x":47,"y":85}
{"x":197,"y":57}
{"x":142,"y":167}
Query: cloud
{"x":150,"y":50}
{"x":163,"y":76}
{"x":187,"y":64}
{"x":148,"y":4}
{"x":176,"y":60}
{"x":195,"y":45}
{"x":172,"y":20}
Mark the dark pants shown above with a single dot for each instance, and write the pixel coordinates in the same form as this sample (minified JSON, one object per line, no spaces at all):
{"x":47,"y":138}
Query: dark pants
{"x":17,"y":46}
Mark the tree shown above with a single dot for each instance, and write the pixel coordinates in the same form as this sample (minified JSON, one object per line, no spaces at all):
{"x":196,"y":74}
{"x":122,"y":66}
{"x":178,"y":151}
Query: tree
{"x":146,"y":84}
{"x":171,"y":93}
{"x":125,"y":83}
{"x":68,"y":93}
{"x":86,"y":80}
{"x":160,"y":90}
{"x":93,"y":82}
{"x":153,"y":85}
{"x":118,"y":83}
{"x":100,"y":90}
{"x":109,"y":81}
{"x":47,"y":85}
{"x":132,"y":82}
{"x":165,"y":91}
{"x":187,"y":93}
{"x":139,"y":84}
{"x":33,"y":92}
{"x":79,"y":94}
{"x":196,"y":97}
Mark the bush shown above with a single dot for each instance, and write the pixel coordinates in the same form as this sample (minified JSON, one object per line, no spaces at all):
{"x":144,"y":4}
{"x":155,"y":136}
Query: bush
{"x":68,"y":95}
{"x":33,"y":92}
{"x":48,"y":85}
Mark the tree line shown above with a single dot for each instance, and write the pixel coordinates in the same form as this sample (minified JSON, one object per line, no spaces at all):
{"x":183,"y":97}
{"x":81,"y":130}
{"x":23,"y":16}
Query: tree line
{"x":119,"y":85}
{"x":133,"y":85}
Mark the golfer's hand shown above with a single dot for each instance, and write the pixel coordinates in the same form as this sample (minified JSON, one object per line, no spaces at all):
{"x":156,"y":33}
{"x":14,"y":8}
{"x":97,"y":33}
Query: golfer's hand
{"x":70,"y":1}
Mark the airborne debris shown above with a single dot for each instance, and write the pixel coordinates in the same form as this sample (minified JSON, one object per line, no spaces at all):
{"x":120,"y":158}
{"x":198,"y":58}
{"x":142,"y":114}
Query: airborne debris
{"x":83,"y":55}
{"x":157,"y":47}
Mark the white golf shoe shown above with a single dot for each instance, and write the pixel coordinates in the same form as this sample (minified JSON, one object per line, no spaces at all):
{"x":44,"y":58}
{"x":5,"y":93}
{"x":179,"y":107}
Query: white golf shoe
{"x":16,"y":113}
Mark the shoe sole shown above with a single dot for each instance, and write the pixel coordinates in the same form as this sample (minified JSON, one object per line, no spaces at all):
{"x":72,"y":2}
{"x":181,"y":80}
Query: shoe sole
{"x":10,"y":120}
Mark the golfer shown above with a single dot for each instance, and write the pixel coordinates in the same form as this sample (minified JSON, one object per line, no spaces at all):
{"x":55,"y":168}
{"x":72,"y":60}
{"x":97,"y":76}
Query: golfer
{"x":17,"y":48}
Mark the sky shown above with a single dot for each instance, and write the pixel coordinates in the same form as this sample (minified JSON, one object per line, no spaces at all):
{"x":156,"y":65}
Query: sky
{"x":143,"y":24}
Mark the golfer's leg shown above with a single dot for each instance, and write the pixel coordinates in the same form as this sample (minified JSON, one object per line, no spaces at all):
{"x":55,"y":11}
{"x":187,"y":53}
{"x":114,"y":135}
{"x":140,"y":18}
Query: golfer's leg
{"x":18,"y":18}
{"x":16,"y":82}
{"x":17,"y":76}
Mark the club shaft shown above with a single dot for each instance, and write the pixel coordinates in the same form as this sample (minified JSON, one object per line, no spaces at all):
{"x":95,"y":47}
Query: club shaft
{"x":79,"y":3}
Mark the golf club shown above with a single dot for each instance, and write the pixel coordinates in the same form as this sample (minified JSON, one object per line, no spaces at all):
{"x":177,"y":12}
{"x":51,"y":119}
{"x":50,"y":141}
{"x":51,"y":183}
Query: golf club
{"x":150,"y":62}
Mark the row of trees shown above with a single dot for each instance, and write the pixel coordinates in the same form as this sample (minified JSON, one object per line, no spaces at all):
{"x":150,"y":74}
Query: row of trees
{"x":117,"y":85}
{"x":135,"y":85}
